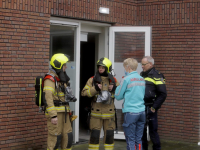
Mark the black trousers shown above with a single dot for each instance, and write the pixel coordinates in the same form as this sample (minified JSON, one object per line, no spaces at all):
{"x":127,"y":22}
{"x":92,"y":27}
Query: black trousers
{"x":152,"y":121}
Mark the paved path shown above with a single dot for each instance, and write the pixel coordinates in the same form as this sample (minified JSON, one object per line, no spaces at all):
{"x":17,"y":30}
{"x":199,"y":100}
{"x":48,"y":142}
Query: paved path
{"x":121,"y":145}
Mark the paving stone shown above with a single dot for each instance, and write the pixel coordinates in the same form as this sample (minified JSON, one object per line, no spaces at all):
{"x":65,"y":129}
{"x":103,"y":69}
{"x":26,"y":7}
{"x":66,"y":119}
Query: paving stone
{"x":166,"y":145}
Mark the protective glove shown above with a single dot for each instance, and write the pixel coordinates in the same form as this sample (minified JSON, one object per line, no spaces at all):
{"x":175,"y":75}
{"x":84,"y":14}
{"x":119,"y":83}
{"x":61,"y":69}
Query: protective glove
{"x":97,"y":87}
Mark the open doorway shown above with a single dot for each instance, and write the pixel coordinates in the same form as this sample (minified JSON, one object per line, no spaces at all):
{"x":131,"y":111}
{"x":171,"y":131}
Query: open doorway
{"x":87,"y":70}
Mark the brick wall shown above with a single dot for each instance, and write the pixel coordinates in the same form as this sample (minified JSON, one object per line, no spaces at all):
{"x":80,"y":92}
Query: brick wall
{"x":175,"y":45}
{"x":24,"y":54}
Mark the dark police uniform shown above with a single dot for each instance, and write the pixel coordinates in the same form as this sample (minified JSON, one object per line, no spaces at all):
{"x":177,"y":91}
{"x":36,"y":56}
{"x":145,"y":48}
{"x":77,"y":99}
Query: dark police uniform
{"x":155,"y":95}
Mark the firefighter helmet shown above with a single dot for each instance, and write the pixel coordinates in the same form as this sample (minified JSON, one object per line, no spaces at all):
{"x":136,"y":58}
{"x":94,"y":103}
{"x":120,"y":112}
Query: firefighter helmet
{"x":58,"y":60}
{"x":106,"y":63}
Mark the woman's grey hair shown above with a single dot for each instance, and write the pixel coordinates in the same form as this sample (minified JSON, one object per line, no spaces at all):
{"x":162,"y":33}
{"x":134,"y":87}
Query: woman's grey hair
{"x":149,"y":59}
{"x":131,"y":62}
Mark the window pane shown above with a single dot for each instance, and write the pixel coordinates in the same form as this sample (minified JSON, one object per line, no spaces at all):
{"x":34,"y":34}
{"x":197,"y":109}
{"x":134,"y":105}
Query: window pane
{"x":129,"y":45}
{"x":63,"y":40}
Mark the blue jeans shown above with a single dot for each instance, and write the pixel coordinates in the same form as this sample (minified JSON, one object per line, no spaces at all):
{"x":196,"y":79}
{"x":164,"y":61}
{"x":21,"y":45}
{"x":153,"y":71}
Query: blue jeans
{"x":133,"y":128}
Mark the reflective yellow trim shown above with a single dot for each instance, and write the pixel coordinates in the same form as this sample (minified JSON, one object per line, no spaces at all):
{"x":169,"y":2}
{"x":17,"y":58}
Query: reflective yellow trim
{"x":150,"y":80}
{"x":113,"y":95}
{"x":159,"y":82}
{"x":67,"y":149}
{"x":158,"y":79}
{"x":109,"y":146}
{"x":40,"y":92}
{"x":57,"y":108}
{"x":49,"y":88}
{"x":93,"y":147}
{"x":50,"y":108}
{"x":154,"y":82}
{"x":102,"y":115}
{"x":59,"y":94}
{"x":88,"y":90}
{"x":62,"y":108}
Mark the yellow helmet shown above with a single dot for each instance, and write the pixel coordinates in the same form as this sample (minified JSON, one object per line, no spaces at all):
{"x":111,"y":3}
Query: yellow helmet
{"x":106,"y":63}
{"x":57,"y":60}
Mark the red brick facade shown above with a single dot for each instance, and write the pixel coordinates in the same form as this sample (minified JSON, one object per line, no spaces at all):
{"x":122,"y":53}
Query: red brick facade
{"x":24,"y":54}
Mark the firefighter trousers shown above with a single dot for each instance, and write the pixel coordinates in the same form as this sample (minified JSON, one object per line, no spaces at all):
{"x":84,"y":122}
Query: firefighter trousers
{"x":60,"y":135}
{"x":108,"y":126}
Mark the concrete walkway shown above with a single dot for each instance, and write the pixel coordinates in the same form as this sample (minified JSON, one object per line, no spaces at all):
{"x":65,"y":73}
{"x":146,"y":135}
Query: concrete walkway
{"x":121,"y":145}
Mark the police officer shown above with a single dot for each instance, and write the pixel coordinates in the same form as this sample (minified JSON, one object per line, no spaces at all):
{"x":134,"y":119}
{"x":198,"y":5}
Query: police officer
{"x":155,"y":95}
{"x":102,"y":110}
{"x":57,"y":109}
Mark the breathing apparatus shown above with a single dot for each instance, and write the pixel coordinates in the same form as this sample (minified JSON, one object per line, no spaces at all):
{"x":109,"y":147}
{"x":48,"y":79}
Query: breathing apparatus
{"x":69,"y":97}
{"x":104,"y":96}
{"x":57,"y":62}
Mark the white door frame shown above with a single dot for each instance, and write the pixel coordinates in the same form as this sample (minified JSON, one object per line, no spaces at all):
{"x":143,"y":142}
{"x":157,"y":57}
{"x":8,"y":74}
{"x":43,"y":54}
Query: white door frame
{"x":96,"y":28}
{"x":56,"y":21}
{"x":112,"y":30}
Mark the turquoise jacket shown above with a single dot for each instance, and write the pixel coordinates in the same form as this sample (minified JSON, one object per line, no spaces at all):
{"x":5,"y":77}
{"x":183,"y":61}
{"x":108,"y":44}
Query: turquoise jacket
{"x":132,"y":90}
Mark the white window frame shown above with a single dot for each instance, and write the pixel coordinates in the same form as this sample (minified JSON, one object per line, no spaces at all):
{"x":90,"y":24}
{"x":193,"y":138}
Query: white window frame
{"x":112,"y":30}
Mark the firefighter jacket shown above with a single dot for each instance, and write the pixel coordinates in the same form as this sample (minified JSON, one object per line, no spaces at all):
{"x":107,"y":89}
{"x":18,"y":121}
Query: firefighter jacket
{"x":99,"y":110}
{"x":155,"y":91}
{"x":53,"y":93}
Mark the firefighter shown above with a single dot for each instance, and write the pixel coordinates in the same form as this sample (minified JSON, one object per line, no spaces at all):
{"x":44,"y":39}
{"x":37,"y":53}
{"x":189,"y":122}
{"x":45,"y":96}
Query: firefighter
{"x":102,"y":114}
{"x":57,"y":109}
{"x":155,"y":95}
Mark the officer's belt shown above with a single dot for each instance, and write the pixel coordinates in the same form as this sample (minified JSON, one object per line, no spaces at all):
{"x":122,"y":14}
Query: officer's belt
{"x":148,"y":104}
{"x":60,"y":103}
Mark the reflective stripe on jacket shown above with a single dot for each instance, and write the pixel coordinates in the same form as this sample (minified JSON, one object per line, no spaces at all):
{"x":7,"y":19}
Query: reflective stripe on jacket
{"x":53,"y":93}
{"x":155,"y":91}
{"x":99,"y":110}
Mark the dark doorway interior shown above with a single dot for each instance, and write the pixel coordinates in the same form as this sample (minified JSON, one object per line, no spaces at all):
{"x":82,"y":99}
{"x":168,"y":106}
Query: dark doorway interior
{"x":87,"y":70}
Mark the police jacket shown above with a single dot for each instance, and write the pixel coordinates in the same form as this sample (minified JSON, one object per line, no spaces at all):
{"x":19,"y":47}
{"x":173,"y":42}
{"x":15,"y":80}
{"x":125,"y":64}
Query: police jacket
{"x":155,"y":91}
{"x":99,"y":110}
{"x":53,"y":93}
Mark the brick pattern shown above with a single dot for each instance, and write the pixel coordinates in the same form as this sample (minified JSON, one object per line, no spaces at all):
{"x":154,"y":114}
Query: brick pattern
{"x":176,"y":53}
{"x":175,"y":45}
{"x":24,"y":54}
{"x":168,"y":13}
{"x":81,"y":9}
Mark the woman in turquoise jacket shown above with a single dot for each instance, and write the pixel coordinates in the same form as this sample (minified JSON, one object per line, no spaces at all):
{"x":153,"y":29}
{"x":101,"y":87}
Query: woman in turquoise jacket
{"x":132,"y":90}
